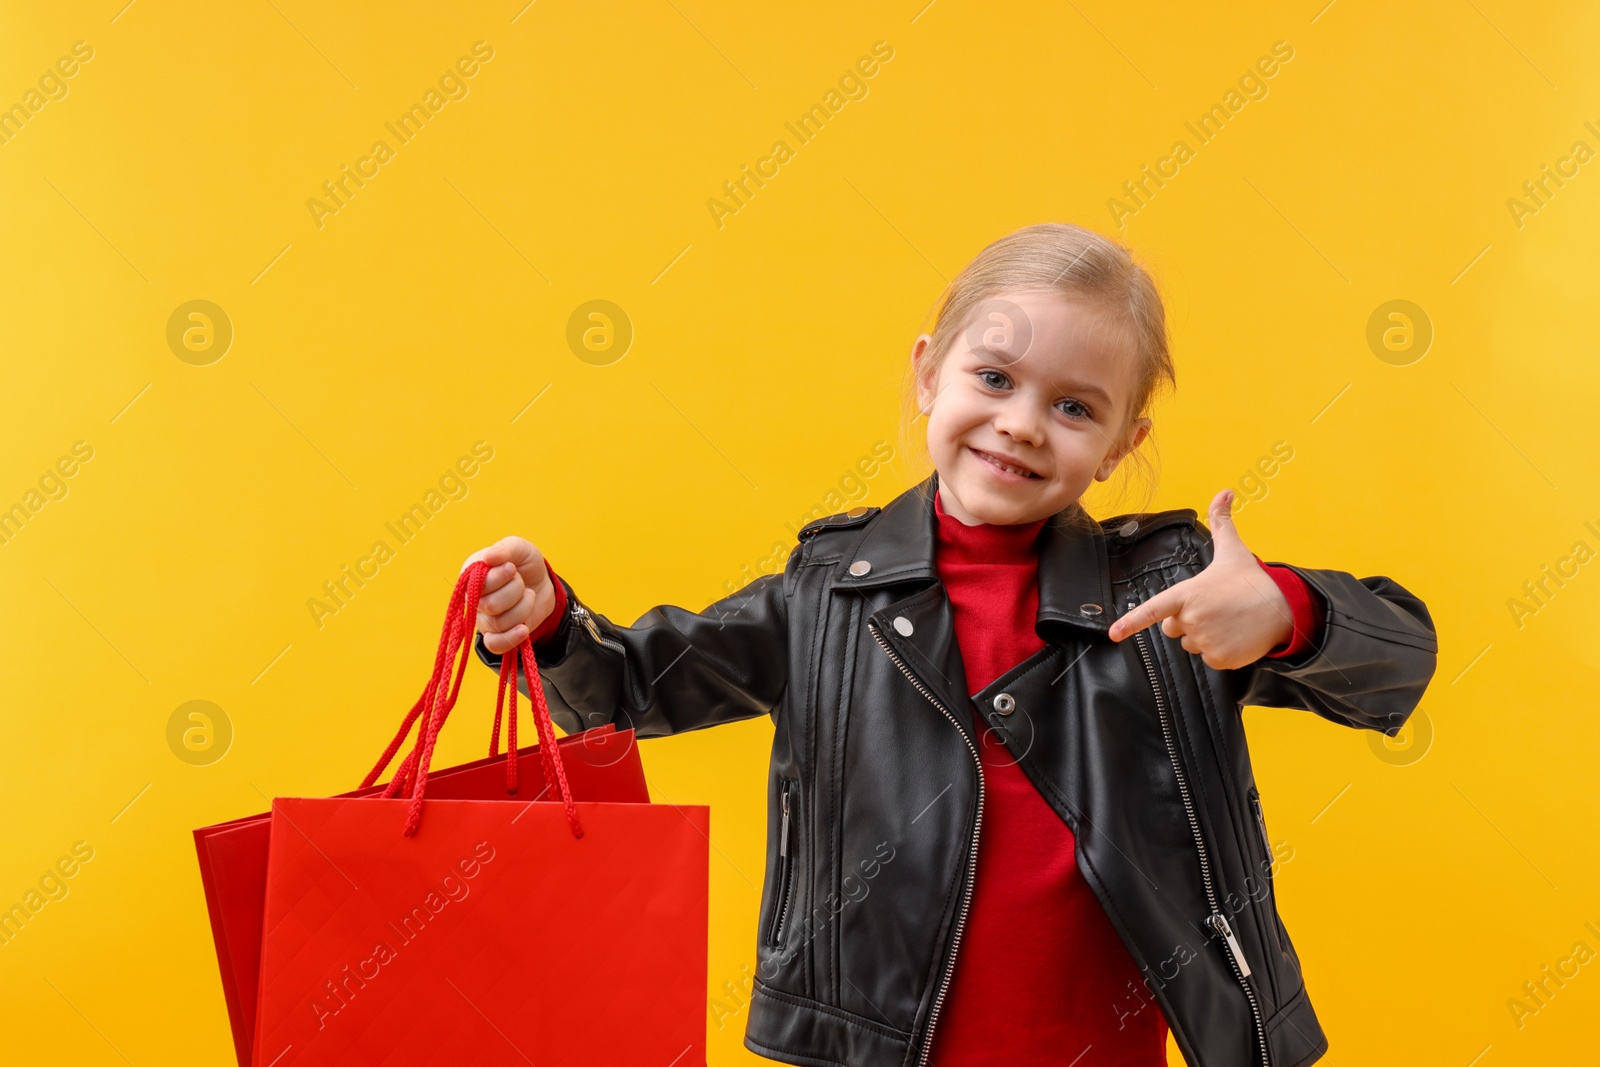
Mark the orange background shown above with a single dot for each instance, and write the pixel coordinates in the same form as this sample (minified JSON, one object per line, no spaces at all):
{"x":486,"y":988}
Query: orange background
{"x":753,"y":359}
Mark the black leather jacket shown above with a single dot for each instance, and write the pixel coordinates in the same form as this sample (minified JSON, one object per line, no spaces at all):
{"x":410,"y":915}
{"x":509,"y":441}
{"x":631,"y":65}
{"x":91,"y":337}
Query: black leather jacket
{"x":874,"y":801}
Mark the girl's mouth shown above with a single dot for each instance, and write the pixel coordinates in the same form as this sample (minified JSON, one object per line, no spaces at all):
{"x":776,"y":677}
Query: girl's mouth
{"x":1004,"y":470}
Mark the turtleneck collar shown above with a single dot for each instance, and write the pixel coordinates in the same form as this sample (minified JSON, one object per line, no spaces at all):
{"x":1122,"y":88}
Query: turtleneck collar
{"x":986,"y":542}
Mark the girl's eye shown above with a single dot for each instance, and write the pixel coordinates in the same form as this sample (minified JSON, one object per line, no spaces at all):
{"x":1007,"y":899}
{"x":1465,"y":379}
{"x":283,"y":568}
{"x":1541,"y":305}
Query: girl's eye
{"x":996,"y":380}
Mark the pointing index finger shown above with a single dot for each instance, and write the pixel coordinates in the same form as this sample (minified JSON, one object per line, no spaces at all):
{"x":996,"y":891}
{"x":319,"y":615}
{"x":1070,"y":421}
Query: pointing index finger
{"x":1163,"y":604}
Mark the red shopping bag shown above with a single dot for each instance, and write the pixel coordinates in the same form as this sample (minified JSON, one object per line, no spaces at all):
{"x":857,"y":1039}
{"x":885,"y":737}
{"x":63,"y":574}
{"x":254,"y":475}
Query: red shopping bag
{"x":601,"y":764}
{"x":420,"y":929}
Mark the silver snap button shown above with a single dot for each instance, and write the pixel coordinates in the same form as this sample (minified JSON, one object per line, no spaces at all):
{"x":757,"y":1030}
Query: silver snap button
{"x":902,"y":626}
{"x":860,"y":567}
{"x":1005,"y":703}
{"x":1129,"y":528}
{"x":1089,"y":609}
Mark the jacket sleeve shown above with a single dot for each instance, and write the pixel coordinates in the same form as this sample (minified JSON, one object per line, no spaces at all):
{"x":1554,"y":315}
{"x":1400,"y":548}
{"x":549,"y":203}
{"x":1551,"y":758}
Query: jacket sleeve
{"x":1376,"y":656}
{"x":1308,"y":611}
{"x":673,"y":670}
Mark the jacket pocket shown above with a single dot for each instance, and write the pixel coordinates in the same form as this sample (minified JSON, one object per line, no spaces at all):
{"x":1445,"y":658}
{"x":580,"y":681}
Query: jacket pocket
{"x":1259,"y":883}
{"x":788,"y":794}
{"x":1261,"y":827}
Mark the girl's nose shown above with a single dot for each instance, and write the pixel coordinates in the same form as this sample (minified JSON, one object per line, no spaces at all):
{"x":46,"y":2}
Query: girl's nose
{"x":1020,"y":420}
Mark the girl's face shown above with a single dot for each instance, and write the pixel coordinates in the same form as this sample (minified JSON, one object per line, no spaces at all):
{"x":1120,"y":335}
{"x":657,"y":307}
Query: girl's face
{"x":1036,"y":383}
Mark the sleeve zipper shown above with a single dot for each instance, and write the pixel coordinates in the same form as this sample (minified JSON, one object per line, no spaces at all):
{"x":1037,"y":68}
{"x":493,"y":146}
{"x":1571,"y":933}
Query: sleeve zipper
{"x":581,"y":613}
{"x":586,"y":619}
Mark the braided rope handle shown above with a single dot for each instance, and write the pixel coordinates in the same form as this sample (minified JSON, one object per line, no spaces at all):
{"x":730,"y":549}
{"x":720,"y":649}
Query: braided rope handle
{"x":554,"y":771}
{"x":426,"y":699}
{"x":508,"y":674}
{"x":439,"y":699}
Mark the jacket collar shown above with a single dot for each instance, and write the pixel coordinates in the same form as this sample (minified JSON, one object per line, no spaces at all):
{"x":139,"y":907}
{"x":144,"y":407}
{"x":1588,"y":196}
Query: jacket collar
{"x":1074,"y":574}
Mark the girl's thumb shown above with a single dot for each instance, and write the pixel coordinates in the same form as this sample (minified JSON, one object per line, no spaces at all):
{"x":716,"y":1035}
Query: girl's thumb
{"x":1223,"y":531}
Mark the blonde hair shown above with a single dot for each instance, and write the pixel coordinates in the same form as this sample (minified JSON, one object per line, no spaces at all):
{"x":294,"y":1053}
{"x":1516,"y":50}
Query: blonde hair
{"x":1076,"y":264}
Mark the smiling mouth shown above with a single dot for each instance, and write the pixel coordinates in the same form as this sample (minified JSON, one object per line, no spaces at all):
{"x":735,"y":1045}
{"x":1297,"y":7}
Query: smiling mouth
{"x":997,"y":462}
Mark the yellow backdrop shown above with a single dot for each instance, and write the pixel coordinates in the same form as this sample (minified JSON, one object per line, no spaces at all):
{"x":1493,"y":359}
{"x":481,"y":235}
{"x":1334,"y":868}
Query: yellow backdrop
{"x":652,"y":271}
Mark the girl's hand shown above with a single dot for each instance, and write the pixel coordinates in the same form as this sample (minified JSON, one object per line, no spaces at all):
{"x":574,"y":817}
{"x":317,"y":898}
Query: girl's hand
{"x":517,"y":593}
{"x":1231,"y":614}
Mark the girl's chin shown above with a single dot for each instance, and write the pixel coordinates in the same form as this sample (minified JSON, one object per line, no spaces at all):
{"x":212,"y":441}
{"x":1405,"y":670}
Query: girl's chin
{"x":997,"y":501}
{"x":987,"y":502}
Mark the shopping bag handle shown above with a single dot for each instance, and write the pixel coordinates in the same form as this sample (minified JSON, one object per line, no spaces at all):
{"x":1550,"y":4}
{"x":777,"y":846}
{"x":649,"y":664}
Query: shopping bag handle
{"x":439,"y":698}
{"x":458,"y":628}
{"x":521,"y":657}
{"x":426,"y":700}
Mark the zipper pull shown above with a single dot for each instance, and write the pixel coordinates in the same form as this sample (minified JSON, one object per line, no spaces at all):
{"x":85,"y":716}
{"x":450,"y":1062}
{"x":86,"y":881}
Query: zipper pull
{"x":1219,"y":926}
{"x":588,"y":622}
{"x":783,"y":832}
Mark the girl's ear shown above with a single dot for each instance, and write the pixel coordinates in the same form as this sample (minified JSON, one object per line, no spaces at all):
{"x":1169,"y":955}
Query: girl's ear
{"x":922,"y":363}
{"x":1136,"y":434}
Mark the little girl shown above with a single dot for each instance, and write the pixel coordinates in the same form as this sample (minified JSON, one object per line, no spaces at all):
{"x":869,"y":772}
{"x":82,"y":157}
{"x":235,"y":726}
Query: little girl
{"x":1009,"y":823}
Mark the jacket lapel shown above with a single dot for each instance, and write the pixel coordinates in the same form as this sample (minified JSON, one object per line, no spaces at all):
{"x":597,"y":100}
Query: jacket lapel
{"x":898,"y":547}
{"x":1074,"y":575}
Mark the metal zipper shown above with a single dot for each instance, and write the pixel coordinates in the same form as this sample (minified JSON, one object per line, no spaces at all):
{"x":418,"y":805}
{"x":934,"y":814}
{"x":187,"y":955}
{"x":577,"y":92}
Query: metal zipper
{"x":1216,"y":922}
{"x":581,"y":613}
{"x":785,"y":864}
{"x":972,"y":854}
{"x":583,"y":616}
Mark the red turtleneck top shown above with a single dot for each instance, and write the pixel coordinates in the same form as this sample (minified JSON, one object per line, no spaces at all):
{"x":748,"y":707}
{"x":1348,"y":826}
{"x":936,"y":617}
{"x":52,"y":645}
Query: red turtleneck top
{"x":1041,"y":975}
